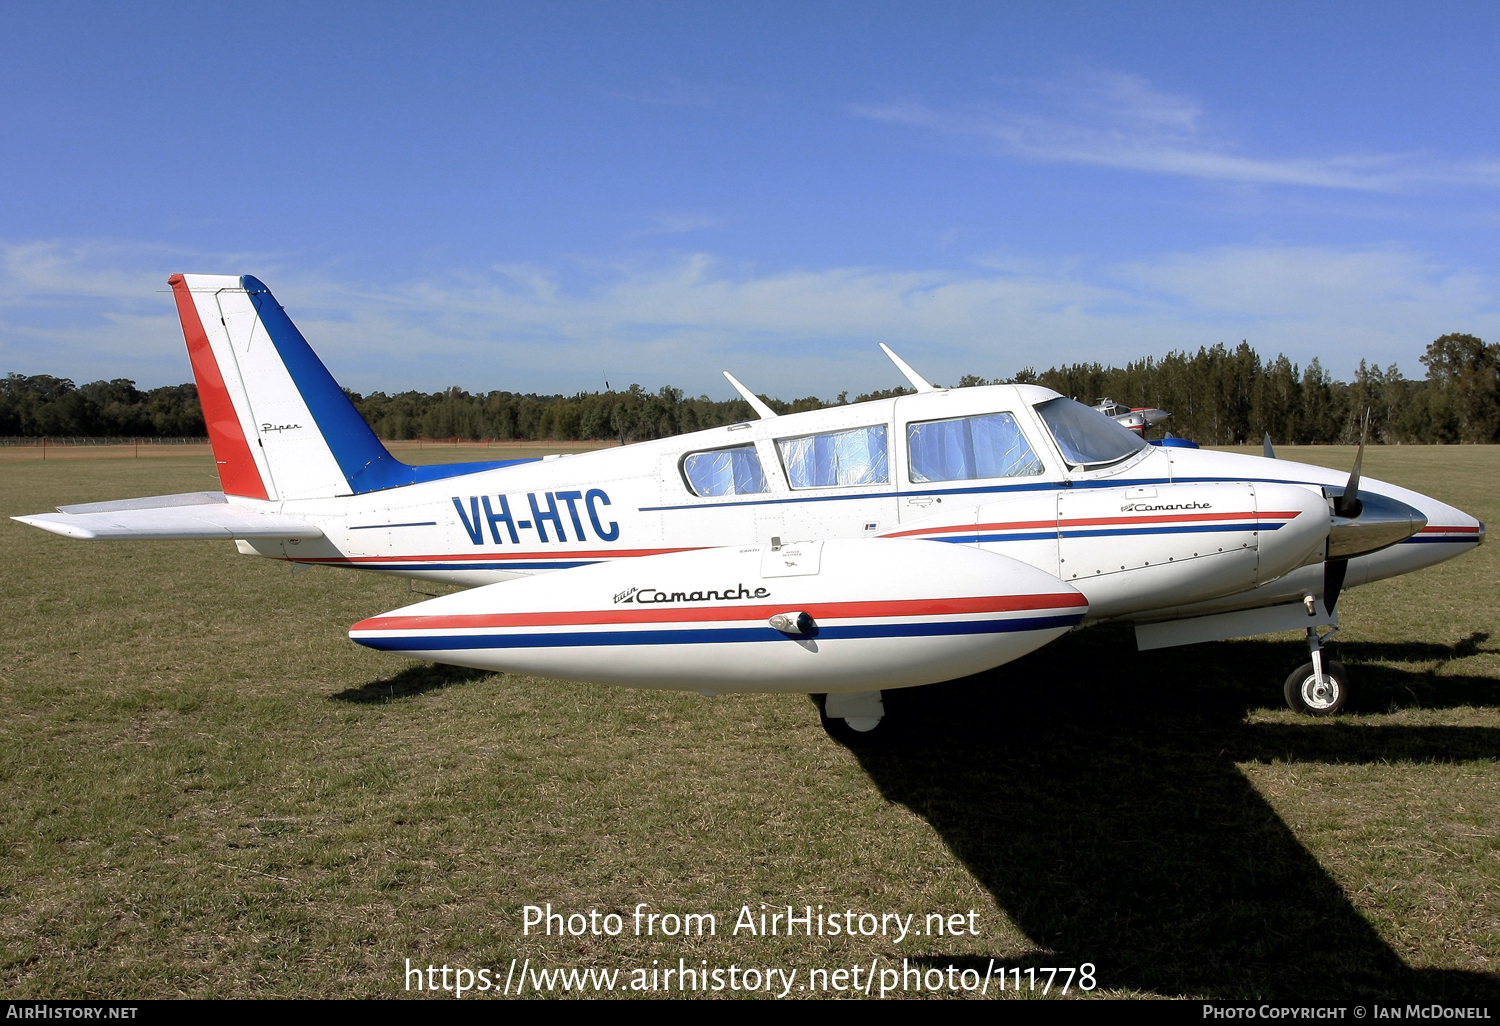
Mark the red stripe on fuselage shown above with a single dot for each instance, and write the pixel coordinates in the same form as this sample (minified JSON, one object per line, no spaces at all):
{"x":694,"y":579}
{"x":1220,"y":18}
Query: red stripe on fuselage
{"x":823,"y":611}
{"x":492,"y":556}
{"x":237,"y":471}
{"x":962,"y":528}
{"x":1175,"y":518}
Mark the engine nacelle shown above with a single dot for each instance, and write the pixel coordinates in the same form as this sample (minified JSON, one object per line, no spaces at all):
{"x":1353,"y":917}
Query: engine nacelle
{"x":1130,"y":549}
{"x":854,"y":615}
{"x":1147,"y":546}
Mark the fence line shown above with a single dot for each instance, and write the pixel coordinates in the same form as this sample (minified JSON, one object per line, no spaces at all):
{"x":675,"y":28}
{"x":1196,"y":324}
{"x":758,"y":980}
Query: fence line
{"x":49,"y":441}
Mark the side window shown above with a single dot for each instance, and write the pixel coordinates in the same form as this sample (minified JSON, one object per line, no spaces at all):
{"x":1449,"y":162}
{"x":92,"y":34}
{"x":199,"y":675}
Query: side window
{"x":724,"y":472}
{"x":966,"y":448}
{"x":856,"y":457}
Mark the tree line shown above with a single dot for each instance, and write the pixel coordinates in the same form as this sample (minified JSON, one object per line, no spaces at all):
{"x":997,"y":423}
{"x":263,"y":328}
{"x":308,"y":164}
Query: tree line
{"x":39,"y":405}
{"x":1218,"y":395}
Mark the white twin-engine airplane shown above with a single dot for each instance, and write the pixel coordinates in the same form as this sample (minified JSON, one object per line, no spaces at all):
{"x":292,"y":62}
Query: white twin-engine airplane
{"x":841,"y":552}
{"x":1136,"y":418}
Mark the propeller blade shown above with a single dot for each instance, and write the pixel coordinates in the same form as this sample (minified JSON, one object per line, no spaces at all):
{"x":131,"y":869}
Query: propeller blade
{"x":1266,"y":449}
{"x":1348,"y":504}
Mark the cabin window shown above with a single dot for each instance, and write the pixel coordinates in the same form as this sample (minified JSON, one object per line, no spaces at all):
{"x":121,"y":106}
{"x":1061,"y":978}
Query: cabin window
{"x":1087,"y":437}
{"x":724,"y":472}
{"x":835,"y":459}
{"x":965,"y":448}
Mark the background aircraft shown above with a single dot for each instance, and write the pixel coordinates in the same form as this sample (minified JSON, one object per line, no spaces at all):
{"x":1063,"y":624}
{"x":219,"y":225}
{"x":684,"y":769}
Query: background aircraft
{"x":1136,"y":418}
{"x":841,"y":551}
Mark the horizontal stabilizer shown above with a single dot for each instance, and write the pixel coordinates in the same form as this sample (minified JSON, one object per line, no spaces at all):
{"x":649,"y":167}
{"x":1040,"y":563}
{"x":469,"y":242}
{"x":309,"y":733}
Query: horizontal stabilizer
{"x":171,"y":518}
{"x":146,"y":502}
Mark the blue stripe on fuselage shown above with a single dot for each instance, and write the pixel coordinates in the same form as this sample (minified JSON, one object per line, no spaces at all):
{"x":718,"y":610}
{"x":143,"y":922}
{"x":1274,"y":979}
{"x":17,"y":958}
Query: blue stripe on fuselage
{"x":1100,"y":533}
{"x":1104,"y":532}
{"x":397,"y":564}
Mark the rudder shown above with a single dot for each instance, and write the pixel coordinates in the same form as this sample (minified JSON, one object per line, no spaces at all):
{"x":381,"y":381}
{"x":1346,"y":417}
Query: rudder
{"x":280,"y":426}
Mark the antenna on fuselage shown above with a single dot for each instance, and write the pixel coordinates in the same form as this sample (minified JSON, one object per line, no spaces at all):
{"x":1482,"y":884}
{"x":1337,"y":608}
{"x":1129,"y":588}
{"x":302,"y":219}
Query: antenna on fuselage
{"x":762,"y":411}
{"x":918,"y":382}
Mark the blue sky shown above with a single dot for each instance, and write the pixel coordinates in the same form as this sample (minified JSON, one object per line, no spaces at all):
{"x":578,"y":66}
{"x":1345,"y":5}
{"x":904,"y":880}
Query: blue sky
{"x":540,"y":197}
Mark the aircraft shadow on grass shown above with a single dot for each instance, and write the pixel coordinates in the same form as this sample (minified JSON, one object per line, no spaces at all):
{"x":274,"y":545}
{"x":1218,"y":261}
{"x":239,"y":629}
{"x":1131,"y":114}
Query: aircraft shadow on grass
{"x":417,"y":679}
{"x":1104,"y":811}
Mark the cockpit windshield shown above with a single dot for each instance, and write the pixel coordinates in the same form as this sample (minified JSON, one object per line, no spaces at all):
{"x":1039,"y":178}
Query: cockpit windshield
{"x":1087,"y":437}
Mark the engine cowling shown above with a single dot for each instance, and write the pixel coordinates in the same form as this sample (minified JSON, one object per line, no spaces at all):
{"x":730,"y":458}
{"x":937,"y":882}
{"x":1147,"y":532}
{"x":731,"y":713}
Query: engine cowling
{"x":854,"y":615}
{"x":1133,"y":549}
{"x":1145,"y":547}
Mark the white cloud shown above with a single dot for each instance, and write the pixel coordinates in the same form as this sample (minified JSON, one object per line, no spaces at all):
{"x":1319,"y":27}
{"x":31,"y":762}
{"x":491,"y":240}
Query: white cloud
{"x":1121,"y":121}
{"x":1292,"y":282}
{"x":87,"y":310}
{"x":34,"y":272}
{"x":813,"y":330}
{"x":96,"y":308}
{"x":668,"y":223}
{"x":1385,"y":303}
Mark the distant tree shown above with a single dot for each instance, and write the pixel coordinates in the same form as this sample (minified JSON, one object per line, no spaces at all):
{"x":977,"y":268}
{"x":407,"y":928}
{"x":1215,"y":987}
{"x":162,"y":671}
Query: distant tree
{"x":883,"y":393}
{"x":1464,"y":374}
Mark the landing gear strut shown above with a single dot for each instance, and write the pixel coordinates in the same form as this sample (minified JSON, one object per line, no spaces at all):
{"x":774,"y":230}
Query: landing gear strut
{"x":1321,"y":687}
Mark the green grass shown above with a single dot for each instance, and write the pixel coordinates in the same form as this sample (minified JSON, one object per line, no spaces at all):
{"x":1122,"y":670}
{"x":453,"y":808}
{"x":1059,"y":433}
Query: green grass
{"x":207,"y":790}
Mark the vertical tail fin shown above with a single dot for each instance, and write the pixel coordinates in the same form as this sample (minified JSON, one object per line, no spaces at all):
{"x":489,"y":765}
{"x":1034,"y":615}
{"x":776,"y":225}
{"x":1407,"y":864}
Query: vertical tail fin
{"x":280,"y":425}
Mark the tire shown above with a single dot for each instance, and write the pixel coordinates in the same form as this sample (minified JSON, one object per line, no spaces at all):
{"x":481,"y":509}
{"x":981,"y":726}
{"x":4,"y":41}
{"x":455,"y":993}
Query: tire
{"x":846,"y":734}
{"x":1300,"y":689}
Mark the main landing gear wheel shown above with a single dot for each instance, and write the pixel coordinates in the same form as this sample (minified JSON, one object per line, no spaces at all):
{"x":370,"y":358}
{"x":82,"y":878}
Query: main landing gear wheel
{"x":861,"y":723}
{"x":1306,"y":696}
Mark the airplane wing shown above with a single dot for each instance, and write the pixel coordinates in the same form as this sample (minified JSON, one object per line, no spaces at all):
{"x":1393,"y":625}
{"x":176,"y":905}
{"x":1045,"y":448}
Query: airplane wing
{"x":169,"y":518}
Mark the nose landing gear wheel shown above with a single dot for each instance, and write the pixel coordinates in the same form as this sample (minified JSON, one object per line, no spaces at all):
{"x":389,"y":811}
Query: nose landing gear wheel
{"x":1304,"y":695}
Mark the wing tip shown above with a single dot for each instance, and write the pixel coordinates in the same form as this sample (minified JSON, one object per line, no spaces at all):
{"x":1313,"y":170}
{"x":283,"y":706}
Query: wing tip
{"x":53,"y":523}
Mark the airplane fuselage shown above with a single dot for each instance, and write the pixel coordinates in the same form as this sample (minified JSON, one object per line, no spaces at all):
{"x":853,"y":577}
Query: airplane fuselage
{"x":571,"y":510}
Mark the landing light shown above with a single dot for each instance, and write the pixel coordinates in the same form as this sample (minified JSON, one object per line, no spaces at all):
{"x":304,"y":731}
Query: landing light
{"x":792,"y":623}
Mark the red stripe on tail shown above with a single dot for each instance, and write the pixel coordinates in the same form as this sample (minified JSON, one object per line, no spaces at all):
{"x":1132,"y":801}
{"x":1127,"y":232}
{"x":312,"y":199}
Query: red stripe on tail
{"x":237,"y":471}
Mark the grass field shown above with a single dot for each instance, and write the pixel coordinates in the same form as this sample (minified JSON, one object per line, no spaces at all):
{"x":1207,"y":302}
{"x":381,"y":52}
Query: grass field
{"x":207,"y":790}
